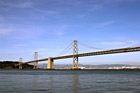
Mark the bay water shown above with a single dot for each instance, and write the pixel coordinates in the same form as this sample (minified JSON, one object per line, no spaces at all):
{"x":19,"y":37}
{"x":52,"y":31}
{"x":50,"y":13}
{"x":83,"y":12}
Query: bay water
{"x":69,"y":81}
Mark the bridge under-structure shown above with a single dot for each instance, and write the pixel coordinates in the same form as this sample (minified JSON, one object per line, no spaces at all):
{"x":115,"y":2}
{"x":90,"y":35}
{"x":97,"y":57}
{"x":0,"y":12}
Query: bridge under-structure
{"x":76,"y":55}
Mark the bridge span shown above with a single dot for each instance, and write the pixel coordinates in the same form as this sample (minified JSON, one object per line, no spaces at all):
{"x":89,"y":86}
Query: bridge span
{"x":76,"y":55}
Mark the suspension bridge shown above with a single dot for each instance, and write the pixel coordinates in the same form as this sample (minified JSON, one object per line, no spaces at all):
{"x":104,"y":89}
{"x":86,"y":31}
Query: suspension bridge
{"x":75,"y":55}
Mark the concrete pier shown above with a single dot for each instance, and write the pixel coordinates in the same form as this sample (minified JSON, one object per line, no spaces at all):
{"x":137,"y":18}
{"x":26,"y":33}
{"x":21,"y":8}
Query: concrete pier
{"x":75,"y":68}
{"x":50,"y":65}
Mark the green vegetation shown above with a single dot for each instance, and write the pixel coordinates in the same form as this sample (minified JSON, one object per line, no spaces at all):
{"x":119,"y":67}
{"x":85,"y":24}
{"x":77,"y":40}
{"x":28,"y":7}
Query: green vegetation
{"x":13,"y":65}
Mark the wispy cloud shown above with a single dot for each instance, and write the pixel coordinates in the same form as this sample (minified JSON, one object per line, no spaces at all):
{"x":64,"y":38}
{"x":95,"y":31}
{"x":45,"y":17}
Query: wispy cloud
{"x":1,"y":19}
{"x":97,"y":6}
{"x":138,"y":26}
{"x":46,"y":12}
{"x":118,"y":1}
{"x":112,"y":43}
{"x":20,"y":45}
{"x":17,"y":4}
{"x":127,"y":43}
{"x":133,"y":42}
{"x":60,"y":33}
{"x":62,"y":29}
{"x":81,"y":15}
{"x":44,"y":52}
{"x":58,"y":30}
{"x":104,"y":24}
{"x":5,"y":31}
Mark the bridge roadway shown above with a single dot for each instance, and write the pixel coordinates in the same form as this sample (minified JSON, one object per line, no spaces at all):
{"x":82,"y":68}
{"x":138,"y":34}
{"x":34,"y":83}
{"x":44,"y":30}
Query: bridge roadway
{"x":113,"y":51}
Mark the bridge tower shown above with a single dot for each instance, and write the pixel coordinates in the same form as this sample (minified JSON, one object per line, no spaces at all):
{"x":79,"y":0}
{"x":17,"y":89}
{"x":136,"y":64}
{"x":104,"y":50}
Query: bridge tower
{"x":50,"y":65}
{"x":20,"y":61}
{"x":36,"y":58}
{"x":75,"y":55}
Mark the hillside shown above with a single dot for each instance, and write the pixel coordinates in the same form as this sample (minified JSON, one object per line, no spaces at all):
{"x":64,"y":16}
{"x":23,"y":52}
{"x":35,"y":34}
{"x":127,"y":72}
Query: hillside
{"x":13,"y":65}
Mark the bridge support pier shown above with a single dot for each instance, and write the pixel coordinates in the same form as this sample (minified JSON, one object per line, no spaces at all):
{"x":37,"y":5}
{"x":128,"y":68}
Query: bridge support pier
{"x":36,"y":58}
{"x":75,"y":55}
{"x":20,"y":61}
{"x":50,"y":65}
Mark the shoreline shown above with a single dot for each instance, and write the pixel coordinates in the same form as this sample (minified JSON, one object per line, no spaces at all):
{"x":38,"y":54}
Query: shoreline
{"x":70,"y":69}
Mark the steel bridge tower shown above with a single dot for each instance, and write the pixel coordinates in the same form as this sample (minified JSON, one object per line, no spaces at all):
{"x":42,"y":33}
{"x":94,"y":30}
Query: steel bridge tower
{"x":20,"y":61}
{"x":36,"y":58}
{"x":75,"y":55}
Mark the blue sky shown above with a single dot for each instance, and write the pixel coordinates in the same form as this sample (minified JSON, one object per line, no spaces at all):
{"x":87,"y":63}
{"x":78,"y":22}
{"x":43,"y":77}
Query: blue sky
{"x":49,"y":26}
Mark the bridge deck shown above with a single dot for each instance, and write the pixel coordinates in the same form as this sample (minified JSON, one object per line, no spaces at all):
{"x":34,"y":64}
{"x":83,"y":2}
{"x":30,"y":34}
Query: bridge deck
{"x":113,"y":51}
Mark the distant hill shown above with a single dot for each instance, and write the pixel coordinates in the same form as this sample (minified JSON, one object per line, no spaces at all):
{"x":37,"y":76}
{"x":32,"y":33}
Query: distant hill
{"x":86,"y":66}
{"x":13,"y":65}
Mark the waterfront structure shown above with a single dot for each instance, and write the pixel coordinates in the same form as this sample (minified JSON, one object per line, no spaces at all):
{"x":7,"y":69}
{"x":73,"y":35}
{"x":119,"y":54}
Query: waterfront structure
{"x":76,"y":55}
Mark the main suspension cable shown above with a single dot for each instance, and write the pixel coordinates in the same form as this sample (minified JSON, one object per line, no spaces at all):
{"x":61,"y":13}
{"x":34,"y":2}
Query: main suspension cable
{"x":66,"y":49}
{"x":90,"y":46}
